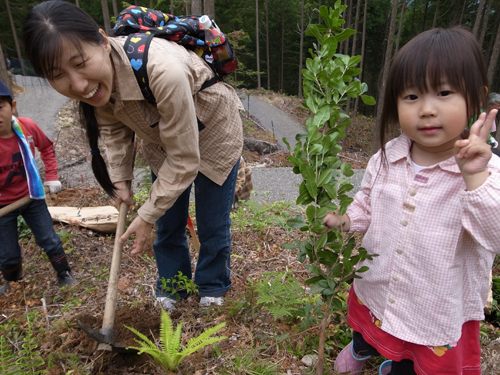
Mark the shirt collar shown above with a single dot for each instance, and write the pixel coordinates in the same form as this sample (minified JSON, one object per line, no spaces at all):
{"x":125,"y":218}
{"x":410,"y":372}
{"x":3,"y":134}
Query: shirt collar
{"x":126,"y":87}
{"x":399,"y":148}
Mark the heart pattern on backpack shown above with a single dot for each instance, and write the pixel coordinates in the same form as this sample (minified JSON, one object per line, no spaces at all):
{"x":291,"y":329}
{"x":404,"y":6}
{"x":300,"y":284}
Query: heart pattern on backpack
{"x":136,"y":64}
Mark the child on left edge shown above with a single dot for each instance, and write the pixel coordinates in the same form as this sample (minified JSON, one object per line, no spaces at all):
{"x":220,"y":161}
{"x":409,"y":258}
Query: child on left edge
{"x":18,"y":178}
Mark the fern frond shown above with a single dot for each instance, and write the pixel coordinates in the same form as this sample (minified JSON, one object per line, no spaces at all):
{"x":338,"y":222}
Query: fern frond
{"x":146,"y":343}
{"x":205,"y":335}
{"x":167,"y":333}
{"x":212,"y":340}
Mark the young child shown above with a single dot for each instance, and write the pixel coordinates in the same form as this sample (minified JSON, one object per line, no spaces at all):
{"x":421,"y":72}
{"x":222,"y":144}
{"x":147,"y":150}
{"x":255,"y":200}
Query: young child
{"x":428,"y":206}
{"x":18,"y":178}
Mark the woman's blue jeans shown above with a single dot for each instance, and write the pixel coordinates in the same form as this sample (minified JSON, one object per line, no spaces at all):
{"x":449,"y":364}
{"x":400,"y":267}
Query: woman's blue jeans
{"x":38,"y":218}
{"x":213,"y":205}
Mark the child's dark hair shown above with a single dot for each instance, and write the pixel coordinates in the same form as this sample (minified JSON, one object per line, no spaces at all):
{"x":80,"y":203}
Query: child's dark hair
{"x":7,"y":99}
{"x":43,"y":31}
{"x":425,"y":61}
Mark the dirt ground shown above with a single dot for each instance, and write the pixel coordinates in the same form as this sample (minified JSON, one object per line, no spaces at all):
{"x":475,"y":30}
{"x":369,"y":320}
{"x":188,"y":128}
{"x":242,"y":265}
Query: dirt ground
{"x":37,"y":305}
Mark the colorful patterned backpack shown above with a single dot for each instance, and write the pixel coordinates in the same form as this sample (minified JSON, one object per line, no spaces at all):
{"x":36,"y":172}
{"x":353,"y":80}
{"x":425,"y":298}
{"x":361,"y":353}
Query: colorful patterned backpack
{"x":142,"y":24}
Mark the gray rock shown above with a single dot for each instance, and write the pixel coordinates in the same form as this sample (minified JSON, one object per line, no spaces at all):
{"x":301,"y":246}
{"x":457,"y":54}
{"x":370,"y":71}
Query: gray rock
{"x":309,"y":360}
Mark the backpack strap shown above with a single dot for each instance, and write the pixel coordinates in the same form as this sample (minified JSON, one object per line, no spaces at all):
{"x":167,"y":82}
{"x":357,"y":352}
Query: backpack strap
{"x":137,"y":47}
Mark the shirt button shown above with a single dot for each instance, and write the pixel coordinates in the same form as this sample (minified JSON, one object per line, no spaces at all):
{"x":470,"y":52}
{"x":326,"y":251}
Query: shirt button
{"x":392,"y":300}
{"x":399,"y":251}
{"x":413,"y":192}
{"x":395,"y":277}
{"x":404,"y":223}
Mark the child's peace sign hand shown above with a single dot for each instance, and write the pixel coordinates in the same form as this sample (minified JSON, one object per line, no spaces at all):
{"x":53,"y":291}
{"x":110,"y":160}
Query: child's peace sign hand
{"x":472,"y":154}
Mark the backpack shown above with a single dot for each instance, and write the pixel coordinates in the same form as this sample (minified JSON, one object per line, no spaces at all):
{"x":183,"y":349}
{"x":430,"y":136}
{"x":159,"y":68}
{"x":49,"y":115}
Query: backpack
{"x":142,"y":24}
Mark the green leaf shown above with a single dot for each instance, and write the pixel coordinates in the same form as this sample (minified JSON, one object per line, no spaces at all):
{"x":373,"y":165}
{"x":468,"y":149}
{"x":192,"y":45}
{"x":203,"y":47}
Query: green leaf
{"x":368,"y":100}
{"x":311,"y":213}
{"x":332,"y":193}
{"x":325,"y":177}
{"x":322,"y":116}
{"x":318,"y":228}
{"x":296,"y":222}
{"x":327,"y":292}
{"x":315,"y":149}
{"x":347,"y":265}
{"x":314,"y":270}
{"x":308,"y":75}
{"x":321,"y":242}
{"x":337,"y":304}
{"x":287,"y":144}
{"x":316,"y":289}
{"x":312,"y":104}
{"x":313,"y":280}
{"x":313,"y":30}
{"x":354,"y":60}
{"x":363,"y":269}
{"x":307,"y":172}
{"x":311,"y":187}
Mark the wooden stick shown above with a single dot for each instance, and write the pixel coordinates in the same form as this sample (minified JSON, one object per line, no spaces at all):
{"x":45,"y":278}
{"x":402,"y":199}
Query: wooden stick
{"x":196,"y":242}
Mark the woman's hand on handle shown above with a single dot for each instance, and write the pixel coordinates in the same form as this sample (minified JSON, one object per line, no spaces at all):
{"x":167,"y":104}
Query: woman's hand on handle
{"x":473,"y":154}
{"x":123,"y":194}
{"x":142,"y":230}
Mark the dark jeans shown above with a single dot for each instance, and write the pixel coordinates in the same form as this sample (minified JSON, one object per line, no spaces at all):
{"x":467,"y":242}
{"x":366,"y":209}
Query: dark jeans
{"x":38,"y":219}
{"x":361,"y":347}
{"x":213,"y":206}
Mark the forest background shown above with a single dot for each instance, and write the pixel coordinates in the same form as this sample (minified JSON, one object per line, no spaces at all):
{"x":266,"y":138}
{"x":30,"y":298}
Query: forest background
{"x":269,"y":35}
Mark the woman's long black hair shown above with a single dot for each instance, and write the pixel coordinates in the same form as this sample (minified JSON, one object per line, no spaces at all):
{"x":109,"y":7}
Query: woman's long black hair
{"x":43,"y":31}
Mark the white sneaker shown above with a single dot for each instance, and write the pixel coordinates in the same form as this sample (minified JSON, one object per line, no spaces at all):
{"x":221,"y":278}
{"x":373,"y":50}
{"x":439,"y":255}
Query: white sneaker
{"x":207,"y":301}
{"x":167,"y":303}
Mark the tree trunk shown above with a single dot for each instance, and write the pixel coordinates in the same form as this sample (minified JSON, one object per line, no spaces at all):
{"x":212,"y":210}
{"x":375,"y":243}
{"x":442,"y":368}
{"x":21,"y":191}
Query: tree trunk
{"x":348,"y":26}
{"x":4,"y":74}
{"x":494,"y":56}
{"x":282,"y":63}
{"x":115,"y":8}
{"x":385,"y":72}
{"x":105,"y":15}
{"x":425,"y":15}
{"x":479,"y":14}
{"x":77,"y":3}
{"x":209,"y":8}
{"x":187,"y":6}
{"x":363,"y":39}
{"x":16,"y":42}
{"x":485,"y":23}
{"x":321,"y":347}
{"x":257,"y":44}
{"x":301,"y":57}
{"x":267,"y":48}
{"x":400,"y":26}
{"x":356,"y":24}
{"x":463,"y":12}
{"x":171,"y":6}
{"x":196,"y":7}
{"x":436,"y":12}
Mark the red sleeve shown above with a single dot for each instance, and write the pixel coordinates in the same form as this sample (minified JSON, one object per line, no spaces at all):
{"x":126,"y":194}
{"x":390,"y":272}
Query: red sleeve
{"x":37,"y":138}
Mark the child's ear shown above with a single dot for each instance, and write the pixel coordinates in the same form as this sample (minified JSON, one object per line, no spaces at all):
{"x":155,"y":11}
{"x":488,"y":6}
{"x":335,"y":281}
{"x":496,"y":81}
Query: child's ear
{"x":14,"y":106}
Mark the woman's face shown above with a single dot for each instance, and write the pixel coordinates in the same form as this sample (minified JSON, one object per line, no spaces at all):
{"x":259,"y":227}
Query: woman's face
{"x":85,"y":75}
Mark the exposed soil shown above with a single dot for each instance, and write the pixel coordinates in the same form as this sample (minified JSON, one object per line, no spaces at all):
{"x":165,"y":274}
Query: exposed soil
{"x":255,"y":250}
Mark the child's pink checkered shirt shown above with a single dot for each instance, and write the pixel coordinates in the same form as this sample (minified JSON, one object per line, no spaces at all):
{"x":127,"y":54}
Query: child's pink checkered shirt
{"x":436,"y":242}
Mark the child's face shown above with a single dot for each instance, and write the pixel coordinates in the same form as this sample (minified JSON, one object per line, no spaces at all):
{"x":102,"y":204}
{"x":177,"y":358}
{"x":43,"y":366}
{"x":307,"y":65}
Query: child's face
{"x":86,"y":76}
{"x":433,"y":119}
{"x":6,"y":112}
